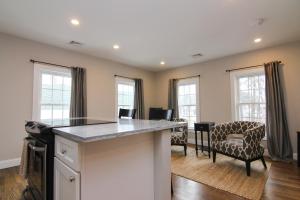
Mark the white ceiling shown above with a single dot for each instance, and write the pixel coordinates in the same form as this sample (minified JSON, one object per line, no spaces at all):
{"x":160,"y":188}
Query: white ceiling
{"x":149,"y":31}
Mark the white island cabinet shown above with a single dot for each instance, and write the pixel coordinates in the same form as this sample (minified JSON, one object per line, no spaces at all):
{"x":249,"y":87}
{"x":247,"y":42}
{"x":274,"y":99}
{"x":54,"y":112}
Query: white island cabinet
{"x":129,"y":160}
{"x":67,"y":182}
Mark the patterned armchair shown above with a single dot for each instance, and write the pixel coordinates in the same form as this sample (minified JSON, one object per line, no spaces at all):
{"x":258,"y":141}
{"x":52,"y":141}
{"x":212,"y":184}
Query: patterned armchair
{"x":179,"y":136}
{"x":240,"y":140}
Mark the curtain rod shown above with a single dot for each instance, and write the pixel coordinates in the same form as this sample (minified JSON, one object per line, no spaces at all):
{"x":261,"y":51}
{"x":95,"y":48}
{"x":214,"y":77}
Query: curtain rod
{"x":241,"y":68}
{"x":188,"y":77}
{"x":41,"y":62}
{"x":116,"y":75}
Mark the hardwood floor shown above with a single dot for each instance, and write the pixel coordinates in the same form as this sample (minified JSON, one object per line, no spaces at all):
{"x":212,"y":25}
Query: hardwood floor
{"x":11,"y":184}
{"x":283,"y":183}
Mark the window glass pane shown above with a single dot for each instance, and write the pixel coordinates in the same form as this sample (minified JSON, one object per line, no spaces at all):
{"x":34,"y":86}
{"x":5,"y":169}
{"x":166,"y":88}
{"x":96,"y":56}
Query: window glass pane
{"x":262,"y":96}
{"x":67,"y":83}
{"x":187,"y":102}
{"x":180,"y":90}
{"x":125,"y":95}
{"x":55,"y":95}
{"x":193,"y":99}
{"x":120,"y":99}
{"x":256,"y":96}
{"x":262,"y":83}
{"x":46,"y":112}
{"x":46,"y":96}
{"x":244,"y":111}
{"x":244,"y":96}
{"x":130,"y":91}
{"x":58,"y":112}
{"x":192,"y":110}
{"x":66,"y":111}
{"x":243,"y":83}
{"x":66,"y":97}
{"x":120,"y":89}
{"x":46,"y":81}
{"x":187,"y":89}
{"x":193,"y":89}
{"x":57,"y":82}
{"x":251,"y":100}
{"x":262,"y":112}
{"x":126,"y":100}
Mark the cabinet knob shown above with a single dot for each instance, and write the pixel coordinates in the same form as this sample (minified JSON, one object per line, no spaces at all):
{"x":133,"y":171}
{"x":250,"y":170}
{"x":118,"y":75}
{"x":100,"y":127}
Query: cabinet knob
{"x":64,"y":151}
{"x":72,"y":178}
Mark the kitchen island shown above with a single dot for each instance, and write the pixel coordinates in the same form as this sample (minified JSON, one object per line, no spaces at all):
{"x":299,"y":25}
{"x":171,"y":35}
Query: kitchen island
{"x":129,"y":159}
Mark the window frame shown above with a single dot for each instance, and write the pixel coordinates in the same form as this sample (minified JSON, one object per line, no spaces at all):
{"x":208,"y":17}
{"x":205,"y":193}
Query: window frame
{"x":234,"y":76}
{"x":124,"y":81}
{"x":189,"y":81}
{"x":37,"y":85}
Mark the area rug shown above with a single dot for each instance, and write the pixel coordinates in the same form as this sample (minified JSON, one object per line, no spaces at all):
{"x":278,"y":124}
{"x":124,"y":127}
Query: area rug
{"x":226,"y":174}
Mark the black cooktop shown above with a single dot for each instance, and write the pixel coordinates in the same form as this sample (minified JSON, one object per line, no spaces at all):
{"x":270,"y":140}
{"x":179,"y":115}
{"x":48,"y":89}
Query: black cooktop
{"x":73,"y":122}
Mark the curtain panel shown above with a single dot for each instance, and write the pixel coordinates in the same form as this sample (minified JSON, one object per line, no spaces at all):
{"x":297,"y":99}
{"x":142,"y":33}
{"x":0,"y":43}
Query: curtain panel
{"x":278,"y":140}
{"x":139,"y":99}
{"x":78,"y":106}
{"x":172,"y":97}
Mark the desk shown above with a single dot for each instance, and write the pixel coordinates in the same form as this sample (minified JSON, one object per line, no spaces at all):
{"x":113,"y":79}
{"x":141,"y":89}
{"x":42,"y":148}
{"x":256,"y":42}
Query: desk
{"x":203,"y":126}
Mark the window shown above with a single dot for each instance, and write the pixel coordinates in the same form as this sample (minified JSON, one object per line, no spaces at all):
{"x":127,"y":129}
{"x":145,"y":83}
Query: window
{"x":188,"y":100}
{"x":52,"y":93}
{"x":249,"y":99}
{"x":125,"y":93}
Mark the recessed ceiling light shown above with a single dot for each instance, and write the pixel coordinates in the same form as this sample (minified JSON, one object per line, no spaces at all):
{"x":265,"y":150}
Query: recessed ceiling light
{"x":116,"y":46}
{"x":162,"y":63}
{"x":75,"y":22}
{"x":257,"y":40}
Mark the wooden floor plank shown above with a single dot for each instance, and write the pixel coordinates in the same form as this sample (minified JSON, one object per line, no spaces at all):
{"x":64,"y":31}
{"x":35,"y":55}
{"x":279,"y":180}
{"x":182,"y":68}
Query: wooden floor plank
{"x":283,"y":184}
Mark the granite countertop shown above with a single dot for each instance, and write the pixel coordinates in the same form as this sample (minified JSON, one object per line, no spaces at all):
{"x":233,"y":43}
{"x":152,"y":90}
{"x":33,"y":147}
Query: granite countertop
{"x":123,"y":127}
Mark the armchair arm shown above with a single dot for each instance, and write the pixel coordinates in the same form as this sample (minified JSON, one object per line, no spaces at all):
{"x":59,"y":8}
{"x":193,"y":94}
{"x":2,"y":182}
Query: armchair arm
{"x":254,"y":135}
{"x":185,"y":133}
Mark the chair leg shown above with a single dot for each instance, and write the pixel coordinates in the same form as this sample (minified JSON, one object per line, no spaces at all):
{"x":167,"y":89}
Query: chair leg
{"x":214,"y":156}
{"x":263,"y":161}
{"x":172,"y":191}
{"x":185,"y":149}
{"x":248,"y":167}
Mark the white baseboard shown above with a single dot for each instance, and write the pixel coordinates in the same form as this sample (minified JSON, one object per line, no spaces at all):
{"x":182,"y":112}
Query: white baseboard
{"x":295,"y":156}
{"x":9,"y":163}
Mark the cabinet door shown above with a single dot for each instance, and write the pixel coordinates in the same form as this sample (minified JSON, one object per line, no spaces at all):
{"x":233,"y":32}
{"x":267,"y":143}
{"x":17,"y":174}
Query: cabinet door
{"x":67,"y":182}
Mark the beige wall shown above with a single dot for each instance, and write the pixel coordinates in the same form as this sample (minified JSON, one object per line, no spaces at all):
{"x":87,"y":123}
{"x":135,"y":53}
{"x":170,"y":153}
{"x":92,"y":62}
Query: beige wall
{"x":16,"y":85}
{"x":215,"y":97}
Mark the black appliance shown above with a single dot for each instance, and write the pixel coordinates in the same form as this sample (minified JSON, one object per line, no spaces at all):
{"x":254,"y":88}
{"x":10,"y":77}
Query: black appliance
{"x":41,"y":155}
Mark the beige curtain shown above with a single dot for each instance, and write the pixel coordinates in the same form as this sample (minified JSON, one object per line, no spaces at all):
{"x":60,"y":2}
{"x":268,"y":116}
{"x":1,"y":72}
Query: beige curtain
{"x":78,"y":106}
{"x":278,"y":140}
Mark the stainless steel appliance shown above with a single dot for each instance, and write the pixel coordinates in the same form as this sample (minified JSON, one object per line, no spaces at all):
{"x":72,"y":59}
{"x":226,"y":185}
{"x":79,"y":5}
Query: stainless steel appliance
{"x":41,"y":154}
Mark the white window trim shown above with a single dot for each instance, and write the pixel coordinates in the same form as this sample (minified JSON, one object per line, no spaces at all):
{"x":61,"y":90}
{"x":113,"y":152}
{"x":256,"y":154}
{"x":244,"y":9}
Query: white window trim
{"x":234,"y":89}
{"x":187,"y":82}
{"x":37,"y":83}
{"x":121,"y":80}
